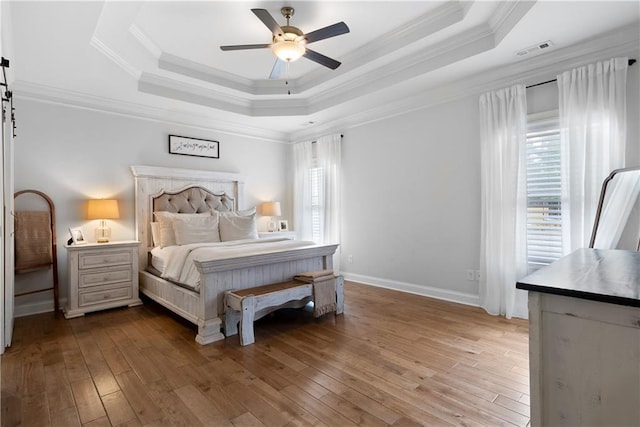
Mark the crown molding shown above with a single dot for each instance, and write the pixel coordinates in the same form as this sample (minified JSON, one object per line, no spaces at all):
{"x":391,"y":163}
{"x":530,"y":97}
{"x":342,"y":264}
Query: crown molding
{"x":113,"y":56}
{"x":471,"y":42}
{"x":145,"y":41}
{"x":244,"y":96}
{"x":419,"y":28}
{"x":623,"y":42}
{"x":507,"y":15}
{"x":66,"y":98}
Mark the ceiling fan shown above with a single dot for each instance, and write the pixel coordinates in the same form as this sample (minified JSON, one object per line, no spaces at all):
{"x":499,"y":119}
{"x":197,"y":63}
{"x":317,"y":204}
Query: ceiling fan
{"x":289,"y":43}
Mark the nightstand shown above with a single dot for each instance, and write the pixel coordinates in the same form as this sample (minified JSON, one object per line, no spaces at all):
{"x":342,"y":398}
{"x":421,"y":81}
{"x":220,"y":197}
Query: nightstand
{"x":101,"y":276}
{"x":286,"y":234}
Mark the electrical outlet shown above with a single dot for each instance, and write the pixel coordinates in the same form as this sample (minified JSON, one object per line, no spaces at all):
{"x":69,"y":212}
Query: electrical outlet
{"x":471,"y":275}
{"x":477,"y":274}
{"x":350,"y":259}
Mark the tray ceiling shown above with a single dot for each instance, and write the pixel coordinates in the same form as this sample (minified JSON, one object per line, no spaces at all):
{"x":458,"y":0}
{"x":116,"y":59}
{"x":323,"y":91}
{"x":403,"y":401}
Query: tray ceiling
{"x":165,"y":56}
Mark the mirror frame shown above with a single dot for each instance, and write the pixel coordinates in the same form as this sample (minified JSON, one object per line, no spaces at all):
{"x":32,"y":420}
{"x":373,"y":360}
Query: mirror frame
{"x":596,"y":221}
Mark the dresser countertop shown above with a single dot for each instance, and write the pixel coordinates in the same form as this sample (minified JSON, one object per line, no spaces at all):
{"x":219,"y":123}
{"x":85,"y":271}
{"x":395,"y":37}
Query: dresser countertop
{"x":611,"y":276}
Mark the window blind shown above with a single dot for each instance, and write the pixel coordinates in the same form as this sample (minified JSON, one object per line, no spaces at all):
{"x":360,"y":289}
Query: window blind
{"x":544,"y":215}
{"x":316,"y":178}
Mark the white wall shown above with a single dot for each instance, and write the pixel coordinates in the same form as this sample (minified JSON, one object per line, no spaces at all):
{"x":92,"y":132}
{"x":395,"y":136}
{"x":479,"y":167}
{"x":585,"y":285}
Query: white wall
{"x":75,"y":154}
{"x":412,"y":200}
{"x":411,"y":217}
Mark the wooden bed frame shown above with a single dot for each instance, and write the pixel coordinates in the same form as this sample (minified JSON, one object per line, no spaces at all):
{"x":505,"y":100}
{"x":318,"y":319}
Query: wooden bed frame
{"x":205,"y":308}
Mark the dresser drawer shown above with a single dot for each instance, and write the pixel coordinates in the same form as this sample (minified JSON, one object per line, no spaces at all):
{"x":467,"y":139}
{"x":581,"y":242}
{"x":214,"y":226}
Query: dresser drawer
{"x":104,"y":276}
{"x":104,"y":296}
{"x":105,"y":259}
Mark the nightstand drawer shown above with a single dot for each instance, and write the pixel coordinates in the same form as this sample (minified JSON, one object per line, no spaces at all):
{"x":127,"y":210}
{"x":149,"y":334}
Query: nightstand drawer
{"x":104,"y":276}
{"x":103,"y":296}
{"x":105,"y":259}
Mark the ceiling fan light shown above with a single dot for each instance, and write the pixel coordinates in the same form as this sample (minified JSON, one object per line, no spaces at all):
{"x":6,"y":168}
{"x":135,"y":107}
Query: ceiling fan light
{"x":288,"y":50}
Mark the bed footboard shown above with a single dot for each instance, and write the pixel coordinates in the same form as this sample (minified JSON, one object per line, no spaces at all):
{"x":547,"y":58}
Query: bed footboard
{"x":220,"y":276}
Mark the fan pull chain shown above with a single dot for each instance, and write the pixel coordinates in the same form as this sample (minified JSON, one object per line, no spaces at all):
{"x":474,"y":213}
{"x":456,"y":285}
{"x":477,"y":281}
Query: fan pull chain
{"x":286,"y":79}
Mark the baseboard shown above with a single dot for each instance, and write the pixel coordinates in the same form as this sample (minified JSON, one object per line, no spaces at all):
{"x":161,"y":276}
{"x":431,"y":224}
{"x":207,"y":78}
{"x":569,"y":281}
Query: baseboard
{"x":427,"y":291}
{"x":22,"y":310}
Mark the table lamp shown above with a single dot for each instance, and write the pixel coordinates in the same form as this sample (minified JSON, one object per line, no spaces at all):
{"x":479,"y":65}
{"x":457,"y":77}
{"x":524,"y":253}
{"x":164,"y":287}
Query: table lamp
{"x":271,"y":209}
{"x":103,"y":209}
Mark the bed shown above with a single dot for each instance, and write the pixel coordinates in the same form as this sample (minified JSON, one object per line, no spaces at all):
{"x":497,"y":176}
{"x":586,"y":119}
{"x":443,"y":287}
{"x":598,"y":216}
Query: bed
{"x":192,"y":191}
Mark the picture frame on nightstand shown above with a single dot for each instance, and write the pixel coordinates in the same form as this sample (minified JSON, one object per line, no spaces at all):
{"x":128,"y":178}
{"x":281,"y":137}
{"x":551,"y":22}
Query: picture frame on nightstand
{"x":283,"y":225}
{"x":77,"y":236}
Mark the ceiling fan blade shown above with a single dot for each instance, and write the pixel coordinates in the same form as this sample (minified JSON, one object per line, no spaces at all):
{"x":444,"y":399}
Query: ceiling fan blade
{"x":277,"y":70}
{"x":326,"y":32}
{"x":268,"y":20}
{"x":245,"y":46}
{"x":321,"y":59}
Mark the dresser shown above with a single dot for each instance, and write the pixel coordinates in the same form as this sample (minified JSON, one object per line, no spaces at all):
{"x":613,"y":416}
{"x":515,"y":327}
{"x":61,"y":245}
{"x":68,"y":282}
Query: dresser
{"x":101,"y":276}
{"x":584,"y":339}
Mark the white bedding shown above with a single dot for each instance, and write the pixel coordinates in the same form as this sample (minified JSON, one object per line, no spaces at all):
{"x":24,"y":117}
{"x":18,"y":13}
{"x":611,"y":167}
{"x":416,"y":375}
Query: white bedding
{"x":176,"y":262}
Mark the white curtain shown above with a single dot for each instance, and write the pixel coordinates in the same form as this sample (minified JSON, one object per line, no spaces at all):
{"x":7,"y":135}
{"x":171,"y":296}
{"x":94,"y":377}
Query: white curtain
{"x":329,"y":160}
{"x":302,"y":164}
{"x":503,"y":254}
{"x":592,"y":102}
{"x":323,"y":156}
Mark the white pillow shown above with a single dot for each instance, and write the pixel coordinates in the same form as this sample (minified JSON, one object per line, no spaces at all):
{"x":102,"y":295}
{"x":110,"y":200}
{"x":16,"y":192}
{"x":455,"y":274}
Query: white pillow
{"x":155,"y":233}
{"x":167,"y":235}
{"x":238,"y":227}
{"x":201,"y":229}
{"x":245,"y":212}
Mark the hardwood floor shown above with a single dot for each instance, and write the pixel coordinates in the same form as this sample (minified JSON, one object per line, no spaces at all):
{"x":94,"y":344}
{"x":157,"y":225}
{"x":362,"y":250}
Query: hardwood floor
{"x":391,"y":359}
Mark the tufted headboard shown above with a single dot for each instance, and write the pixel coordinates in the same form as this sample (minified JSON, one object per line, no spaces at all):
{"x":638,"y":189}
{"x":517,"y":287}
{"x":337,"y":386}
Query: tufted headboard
{"x":183,"y":191}
{"x":192,"y":200}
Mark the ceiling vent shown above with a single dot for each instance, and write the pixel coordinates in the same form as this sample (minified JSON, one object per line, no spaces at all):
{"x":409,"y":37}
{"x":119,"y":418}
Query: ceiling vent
{"x":535,"y":48}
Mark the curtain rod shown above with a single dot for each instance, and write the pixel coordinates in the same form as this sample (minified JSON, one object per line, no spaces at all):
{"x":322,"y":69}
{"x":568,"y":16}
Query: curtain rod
{"x":631,"y":62}
{"x":341,"y":136}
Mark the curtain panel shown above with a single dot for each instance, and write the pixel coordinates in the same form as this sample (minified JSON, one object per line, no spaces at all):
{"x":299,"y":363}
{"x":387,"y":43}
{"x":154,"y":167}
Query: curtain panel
{"x":593,"y":129}
{"x":503,"y":253}
{"x":302,"y":164}
{"x":320,"y":197}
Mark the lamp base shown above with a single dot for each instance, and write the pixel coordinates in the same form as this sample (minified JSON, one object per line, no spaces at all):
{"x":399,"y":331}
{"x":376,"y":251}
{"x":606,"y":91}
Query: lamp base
{"x":103,"y":232}
{"x":272,"y":225}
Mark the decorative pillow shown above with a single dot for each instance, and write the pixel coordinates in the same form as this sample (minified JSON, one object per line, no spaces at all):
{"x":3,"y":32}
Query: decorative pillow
{"x":167,"y":235}
{"x":155,"y":233}
{"x":200,"y":229}
{"x":245,"y":212}
{"x":238,"y":227}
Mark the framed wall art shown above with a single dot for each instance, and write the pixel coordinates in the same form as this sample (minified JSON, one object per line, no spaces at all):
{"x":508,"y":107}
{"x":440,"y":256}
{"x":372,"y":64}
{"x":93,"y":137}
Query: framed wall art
{"x":194,"y":147}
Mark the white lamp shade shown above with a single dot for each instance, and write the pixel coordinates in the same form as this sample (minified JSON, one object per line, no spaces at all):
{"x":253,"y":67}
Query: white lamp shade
{"x":271,"y":209}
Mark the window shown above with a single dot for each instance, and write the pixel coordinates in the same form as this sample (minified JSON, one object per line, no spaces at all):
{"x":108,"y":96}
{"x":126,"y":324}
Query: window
{"x":544,"y":215}
{"x":316,"y":178}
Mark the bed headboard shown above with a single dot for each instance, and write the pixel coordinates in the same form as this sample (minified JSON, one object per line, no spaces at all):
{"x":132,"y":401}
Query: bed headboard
{"x":180,"y":190}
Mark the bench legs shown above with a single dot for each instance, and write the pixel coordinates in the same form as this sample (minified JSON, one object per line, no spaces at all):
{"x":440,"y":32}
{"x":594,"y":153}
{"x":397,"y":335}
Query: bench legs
{"x":248,"y":306}
{"x":247,"y":313}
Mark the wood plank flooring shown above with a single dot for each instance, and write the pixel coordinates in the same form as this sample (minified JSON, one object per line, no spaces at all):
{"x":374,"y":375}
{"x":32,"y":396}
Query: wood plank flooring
{"x":392,"y":359}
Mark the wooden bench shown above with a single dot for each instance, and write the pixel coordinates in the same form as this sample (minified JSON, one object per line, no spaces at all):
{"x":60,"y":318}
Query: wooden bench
{"x":244,"y":306}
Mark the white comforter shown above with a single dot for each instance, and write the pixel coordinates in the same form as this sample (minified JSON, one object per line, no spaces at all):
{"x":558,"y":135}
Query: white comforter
{"x":180,"y":268}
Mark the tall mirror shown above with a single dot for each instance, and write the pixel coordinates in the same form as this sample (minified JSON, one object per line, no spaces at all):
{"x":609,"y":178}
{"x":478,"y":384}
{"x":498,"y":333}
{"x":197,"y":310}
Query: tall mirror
{"x":617,"y":223}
